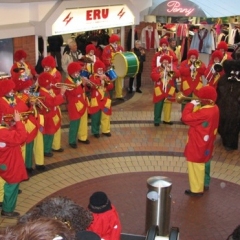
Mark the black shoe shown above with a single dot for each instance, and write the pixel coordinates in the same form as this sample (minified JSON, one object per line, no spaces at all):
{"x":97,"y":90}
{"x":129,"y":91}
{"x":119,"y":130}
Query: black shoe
{"x":97,"y":135}
{"x":121,"y":99}
{"x":10,"y":214}
{"x":206,"y":188}
{"x":139,"y":91}
{"x":19,"y":191}
{"x":169,"y":123}
{"x":156,"y":124}
{"x":40,"y":167}
{"x":107,"y":134}
{"x":130,"y":91}
{"x":73,"y":145}
{"x":84,"y":142}
{"x":58,"y":150}
{"x":29,"y":170}
{"x":192,"y":194}
{"x":48,"y":154}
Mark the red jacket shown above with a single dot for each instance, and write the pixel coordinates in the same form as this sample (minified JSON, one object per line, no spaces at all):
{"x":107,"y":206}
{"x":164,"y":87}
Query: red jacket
{"x":163,"y":89}
{"x":107,"y":225}
{"x":203,"y":125}
{"x":52,"y":118}
{"x":108,"y":53}
{"x":100,"y":98}
{"x":57,"y":78}
{"x":12,"y":168}
{"x":77,"y":102}
{"x":191,"y":82}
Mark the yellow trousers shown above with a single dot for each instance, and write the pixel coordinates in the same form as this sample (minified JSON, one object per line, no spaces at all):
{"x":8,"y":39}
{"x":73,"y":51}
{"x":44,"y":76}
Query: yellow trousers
{"x":83,"y":127}
{"x":57,"y":139}
{"x":38,"y":149}
{"x":167,"y":109}
{"x":118,"y":87}
{"x":2,"y":182}
{"x":196,"y":172}
{"x":105,"y":123}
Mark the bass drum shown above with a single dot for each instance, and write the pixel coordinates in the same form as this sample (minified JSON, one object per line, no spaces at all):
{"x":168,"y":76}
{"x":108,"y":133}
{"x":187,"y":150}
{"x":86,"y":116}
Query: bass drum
{"x":125,"y":64}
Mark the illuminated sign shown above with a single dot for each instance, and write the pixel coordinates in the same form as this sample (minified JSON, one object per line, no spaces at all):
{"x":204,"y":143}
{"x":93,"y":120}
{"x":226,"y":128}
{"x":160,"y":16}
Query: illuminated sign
{"x":175,"y":7}
{"x":179,"y":8}
{"x":86,"y":19}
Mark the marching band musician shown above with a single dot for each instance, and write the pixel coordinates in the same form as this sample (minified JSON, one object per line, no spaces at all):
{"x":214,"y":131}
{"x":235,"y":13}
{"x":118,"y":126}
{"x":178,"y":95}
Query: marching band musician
{"x":21,"y":64}
{"x":100,"y":103}
{"x":52,"y":117}
{"x":49,"y":65}
{"x":77,"y":106}
{"x":214,"y":70}
{"x":90,"y":54}
{"x":191,"y":71}
{"x":223,"y":47}
{"x":163,"y":50}
{"x":163,"y":77}
{"x":107,"y":56}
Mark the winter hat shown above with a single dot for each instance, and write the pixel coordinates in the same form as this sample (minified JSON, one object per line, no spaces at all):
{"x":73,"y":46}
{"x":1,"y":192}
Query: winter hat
{"x":6,"y":85}
{"x":74,"y":67}
{"x":165,"y":57}
{"x":163,"y":41}
{"x":99,"y":203}
{"x":87,"y":235}
{"x":19,"y":55}
{"x":99,"y":64}
{"x":45,"y":79}
{"x":20,"y":85}
{"x":222,"y":45}
{"x":90,"y":47}
{"x":207,"y":92}
{"x":49,"y":61}
{"x":192,"y":52}
{"x":217,"y":54}
{"x":114,"y":38}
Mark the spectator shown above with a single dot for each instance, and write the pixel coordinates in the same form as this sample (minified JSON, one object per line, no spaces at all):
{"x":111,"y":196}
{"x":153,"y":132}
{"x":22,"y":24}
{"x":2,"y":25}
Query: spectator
{"x":106,"y":222}
{"x":54,"y":47}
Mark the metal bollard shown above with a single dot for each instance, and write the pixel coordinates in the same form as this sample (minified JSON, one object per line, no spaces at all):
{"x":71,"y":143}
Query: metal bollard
{"x":158,"y":206}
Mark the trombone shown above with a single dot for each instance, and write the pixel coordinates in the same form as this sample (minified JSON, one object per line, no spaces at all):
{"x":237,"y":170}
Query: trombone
{"x":180,"y":98}
{"x":68,"y":86}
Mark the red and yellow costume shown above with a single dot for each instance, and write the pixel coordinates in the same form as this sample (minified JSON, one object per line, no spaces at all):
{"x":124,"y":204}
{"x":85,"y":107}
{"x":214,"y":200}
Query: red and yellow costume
{"x":100,"y":103}
{"x":191,"y":75}
{"x":203,"y":125}
{"x":90,"y":54}
{"x":52,"y":117}
{"x":77,"y":105}
{"x":164,"y":87}
{"x":107,"y":56}
{"x":157,"y":56}
{"x":211,"y":75}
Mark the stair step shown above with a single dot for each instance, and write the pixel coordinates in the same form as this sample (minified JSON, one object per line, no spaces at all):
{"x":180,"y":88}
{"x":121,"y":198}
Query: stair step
{"x":125,"y":236}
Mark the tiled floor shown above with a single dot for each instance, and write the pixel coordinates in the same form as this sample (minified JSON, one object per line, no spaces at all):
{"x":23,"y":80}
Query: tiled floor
{"x":120,"y":165}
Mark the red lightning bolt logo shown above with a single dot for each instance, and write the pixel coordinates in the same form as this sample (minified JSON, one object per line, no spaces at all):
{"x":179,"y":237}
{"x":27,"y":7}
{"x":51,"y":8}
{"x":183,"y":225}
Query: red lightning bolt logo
{"x":121,"y":13}
{"x":67,"y":19}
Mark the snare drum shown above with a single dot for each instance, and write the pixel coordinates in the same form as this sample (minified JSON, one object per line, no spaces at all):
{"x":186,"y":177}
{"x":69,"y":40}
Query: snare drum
{"x":84,"y":73}
{"x":111,"y":74}
{"x":125,"y":64}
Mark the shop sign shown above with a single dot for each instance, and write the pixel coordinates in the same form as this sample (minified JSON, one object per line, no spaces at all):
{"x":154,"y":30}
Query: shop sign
{"x":87,"y":19}
{"x":178,"y":8}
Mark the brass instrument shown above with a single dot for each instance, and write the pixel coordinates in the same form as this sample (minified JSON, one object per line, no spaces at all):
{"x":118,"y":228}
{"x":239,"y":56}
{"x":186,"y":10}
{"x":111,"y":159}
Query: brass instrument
{"x":39,"y":103}
{"x":180,"y":98}
{"x":170,"y":73}
{"x":9,"y":117}
{"x":197,"y":63}
{"x":69,"y":86}
{"x":92,"y":83}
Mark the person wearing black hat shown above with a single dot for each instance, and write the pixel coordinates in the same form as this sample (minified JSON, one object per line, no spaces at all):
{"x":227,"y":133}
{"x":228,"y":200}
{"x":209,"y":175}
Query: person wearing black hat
{"x":106,"y":222}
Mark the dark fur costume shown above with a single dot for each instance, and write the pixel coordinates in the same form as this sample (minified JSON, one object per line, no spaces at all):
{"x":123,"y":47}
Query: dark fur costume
{"x":63,"y":209}
{"x":228,"y":101}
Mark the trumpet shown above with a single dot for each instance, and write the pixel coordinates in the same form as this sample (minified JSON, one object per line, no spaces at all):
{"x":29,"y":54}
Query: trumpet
{"x":39,"y":103}
{"x":69,"y":86}
{"x":180,"y":98}
{"x":197,"y":63}
{"x":92,"y":83}
{"x":9,"y":117}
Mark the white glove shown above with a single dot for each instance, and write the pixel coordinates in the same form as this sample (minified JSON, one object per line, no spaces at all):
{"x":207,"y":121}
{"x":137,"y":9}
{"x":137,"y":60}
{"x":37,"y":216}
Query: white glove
{"x":195,"y":102}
